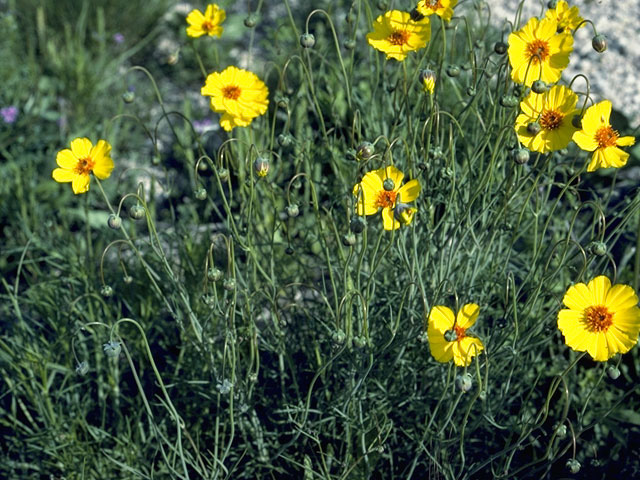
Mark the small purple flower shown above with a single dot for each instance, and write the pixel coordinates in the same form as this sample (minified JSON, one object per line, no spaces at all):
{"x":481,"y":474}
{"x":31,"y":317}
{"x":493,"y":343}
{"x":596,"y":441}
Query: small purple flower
{"x":9,"y":114}
{"x":118,"y":38}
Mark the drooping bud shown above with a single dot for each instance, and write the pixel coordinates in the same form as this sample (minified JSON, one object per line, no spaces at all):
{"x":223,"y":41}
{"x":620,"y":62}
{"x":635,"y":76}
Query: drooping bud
{"x":292,"y":210}
{"x":534,"y":128}
{"x":82,"y":368}
{"x":261,"y":166}
{"x":114,"y":221}
{"x":200,"y":193}
{"x":229,"y":284}
{"x":520,"y":155}
{"x":112,"y":349}
{"x":415,"y":15}
{"x":404,"y":213}
{"x":561,"y":431}
{"x":251,"y":20}
{"x":223,"y":174}
{"x":509,"y":101}
{"x":349,"y":239}
{"x":106,"y":291}
{"x":598,"y":248}
{"x":500,"y":48}
{"x":357,"y":224}
{"x":453,"y":71}
{"x":471,"y":91}
{"x":349,"y":44}
{"x":464,"y":382}
{"x":365,"y":151}
{"x":613,"y":372}
{"x":285,"y":140}
{"x":307,"y":40}
{"x":599,"y":43}
{"x":551,"y":4}
{"x":128,"y":97}
{"x":214,"y":274}
{"x":573,"y":465}
{"x":127,"y":279}
{"x":388,"y":184}
{"x":539,"y":87}
{"x":136,"y":212}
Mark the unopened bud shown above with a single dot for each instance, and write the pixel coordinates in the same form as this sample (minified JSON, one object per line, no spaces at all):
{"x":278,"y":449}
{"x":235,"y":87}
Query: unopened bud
{"x":415,"y":15}
{"x":128,"y":97}
{"x":292,"y":210}
{"x":349,"y":44}
{"x":349,"y":239}
{"x":613,"y":372}
{"x":112,"y":349}
{"x":106,"y":291}
{"x":520,"y":155}
{"x":285,"y":140}
{"x":136,"y":212}
{"x":223,"y":174}
{"x":82,"y":368}
{"x":534,"y":128}
{"x":127,"y":279}
{"x":428,"y":80}
{"x":214,"y":274}
{"x":573,"y":465}
{"x":598,"y":248}
{"x":251,"y":20}
{"x":261,"y":166}
{"x":464,"y":382}
{"x":229,"y":284}
{"x":453,"y":70}
{"x":500,"y":48}
{"x":357,"y":224}
{"x":539,"y":87}
{"x":388,"y":184}
{"x":114,"y":221}
{"x":307,"y":40}
{"x":200,"y":194}
{"x":365,"y":151}
{"x":599,"y":43}
{"x":509,"y":101}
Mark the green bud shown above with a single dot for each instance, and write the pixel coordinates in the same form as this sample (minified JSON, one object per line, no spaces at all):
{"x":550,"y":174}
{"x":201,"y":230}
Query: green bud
{"x":365,"y":151}
{"x":561,"y":431}
{"x":464,"y":382}
{"x":349,"y":44}
{"x":534,"y":128}
{"x":416,"y":16}
{"x":112,"y":349}
{"x":598,"y":248}
{"x":500,"y":48}
{"x":338,"y":337}
{"x":285,"y":140}
{"x":349,"y":239}
{"x":539,"y":87}
{"x":214,"y":274}
{"x":82,"y":368}
{"x":573,"y":465}
{"x":229,"y":284}
{"x":453,"y":71}
{"x":383,"y":5}
{"x":577,"y":121}
{"x":128,"y":97}
{"x":251,"y":20}
{"x":114,"y":221}
{"x":223,"y":173}
{"x":520,"y":155}
{"x":613,"y":372}
{"x":127,"y":279}
{"x":200,"y":193}
{"x":599,"y":43}
{"x":357,"y":224}
{"x":292,"y":210}
{"x":471,"y":91}
{"x":261,"y":166}
{"x":307,"y":40}
{"x":509,"y":101}
{"x":136,"y":212}
{"x":388,"y":184}
{"x":360,"y":342}
{"x":289,"y":250}
{"x":282,"y":102}
{"x":106,"y":291}
{"x":551,"y":4}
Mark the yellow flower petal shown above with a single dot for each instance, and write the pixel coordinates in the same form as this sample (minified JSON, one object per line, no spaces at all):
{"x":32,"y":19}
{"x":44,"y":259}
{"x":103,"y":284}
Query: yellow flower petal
{"x":66,"y":159}
{"x":388,"y":221}
{"x":80,"y":184}
{"x":467,"y":315}
{"x":62,"y":175}
{"x":585,"y":141}
{"x":441,"y":318}
{"x":81,"y":148}
{"x":103,"y":163}
{"x":621,"y":297}
{"x":409,"y":191}
{"x":599,"y":288}
{"x":465,"y":349}
{"x":625,"y":141}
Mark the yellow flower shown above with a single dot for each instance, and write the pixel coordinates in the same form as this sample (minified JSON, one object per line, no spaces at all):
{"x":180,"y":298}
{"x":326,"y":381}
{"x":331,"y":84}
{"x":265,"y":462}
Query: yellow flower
{"x":567,"y":18}
{"x":600,"y":319}
{"x":381,"y":189}
{"x":599,"y":137}
{"x":545,"y":123}
{"x":448,"y":337}
{"x":82,"y":159}
{"x":207,"y":23}
{"x":238,"y":94}
{"x":442,"y":8}
{"x":428,"y":80}
{"x":396,"y":34}
{"x":539,"y":52}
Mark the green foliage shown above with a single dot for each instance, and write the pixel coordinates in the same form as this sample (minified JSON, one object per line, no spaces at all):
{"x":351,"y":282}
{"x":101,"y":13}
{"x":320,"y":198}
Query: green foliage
{"x":215,"y":332}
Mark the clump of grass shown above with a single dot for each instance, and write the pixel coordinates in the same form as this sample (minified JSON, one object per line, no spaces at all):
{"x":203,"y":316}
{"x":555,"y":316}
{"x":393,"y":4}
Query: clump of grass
{"x":218,"y":309}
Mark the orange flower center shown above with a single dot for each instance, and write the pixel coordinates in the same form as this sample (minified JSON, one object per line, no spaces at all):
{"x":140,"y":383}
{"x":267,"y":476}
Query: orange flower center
{"x":606,"y":137}
{"x":551,"y":119}
{"x":84,"y":166}
{"x":460,"y":332}
{"x":598,"y":318}
{"x":399,"y":37}
{"x":208,"y":25}
{"x":538,"y":50}
{"x":432,"y":4}
{"x":386,"y":198}
{"x":232,"y":92}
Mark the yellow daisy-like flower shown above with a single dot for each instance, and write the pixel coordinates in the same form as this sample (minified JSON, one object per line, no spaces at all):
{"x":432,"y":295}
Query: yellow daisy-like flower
{"x":381,"y":189}
{"x":599,"y":137}
{"x":600,"y":319}
{"x":539,"y":52}
{"x":428,"y":80}
{"x":568,"y":18}
{"x":546,"y":121}
{"x":82,"y":159}
{"x":396,"y":34}
{"x":238,"y":94}
{"x":442,"y":8}
{"x":207,"y":23}
{"x":448,"y":337}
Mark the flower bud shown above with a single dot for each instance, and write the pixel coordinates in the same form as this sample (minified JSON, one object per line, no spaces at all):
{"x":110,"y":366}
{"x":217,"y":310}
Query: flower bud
{"x":360,"y":342}
{"x":127,"y":279}
{"x":261,"y":166}
{"x":388,"y":184}
{"x":112,"y":349}
{"x":551,"y":4}
{"x":534,"y":128}
{"x":453,"y":70}
{"x":114,"y":221}
{"x":509,"y":101}
{"x":613,"y":372}
{"x":229,"y":284}
{"x":599,"y":43}
{"x":82,"y":368}
{"x":403,"y":213}
{"x":428,"y":80}
{"x":307,"y":40}
{"x":223,"y":174}
{"x":338,"y":337}
{"x":285,"y":140}
{"x":357,"y":224}
{"x":349,"y":239}
{"x":349,"y":44}
{"x":292,"y":210}
{"x":561,"y":431}
{"x":598,"y":248}
{"x":289,"y":250}
{"x":128,"y":97}
{"x":365,"y":151}
{"x":464,"y":382}
{"x":471,"y":91}
{"x":500,"y":48}
{"x":539,"y":87}
{"x":106,"y":291}
{"x":520,"y":155}
{"x":573,"y":465}
{"x":251,"y":20}
{"x":214,"y":274}
{"x":136,"y":212}
{"x":224,"y":387}
{"x":200,"y":193}
{"x":282,"y":102}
